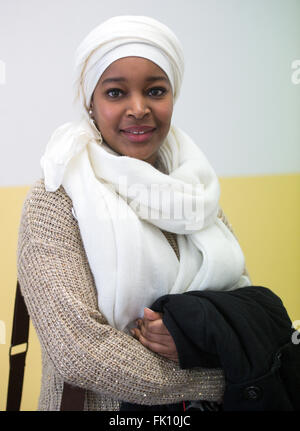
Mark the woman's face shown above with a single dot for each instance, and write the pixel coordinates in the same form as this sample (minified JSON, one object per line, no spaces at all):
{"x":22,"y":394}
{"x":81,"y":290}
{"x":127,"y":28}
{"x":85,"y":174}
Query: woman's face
{"x":132,"y":105}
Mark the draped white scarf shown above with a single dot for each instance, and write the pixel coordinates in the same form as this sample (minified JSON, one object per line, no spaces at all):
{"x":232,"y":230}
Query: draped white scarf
{"x":121,"y":204}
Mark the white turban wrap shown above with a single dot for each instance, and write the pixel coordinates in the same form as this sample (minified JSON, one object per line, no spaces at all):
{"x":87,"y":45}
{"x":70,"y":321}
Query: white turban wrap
{"x":125,"y":36}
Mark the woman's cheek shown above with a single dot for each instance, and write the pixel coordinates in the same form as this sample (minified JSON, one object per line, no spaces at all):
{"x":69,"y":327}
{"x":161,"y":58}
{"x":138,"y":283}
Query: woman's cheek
{"x":107,"y":114}
{"x":165,"y":116}
{"x":165,"y":112}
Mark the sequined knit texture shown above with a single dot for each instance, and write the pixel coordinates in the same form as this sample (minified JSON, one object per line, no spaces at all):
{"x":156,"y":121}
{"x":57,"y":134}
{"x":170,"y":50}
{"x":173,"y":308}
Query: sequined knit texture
{"x":77,"y":344}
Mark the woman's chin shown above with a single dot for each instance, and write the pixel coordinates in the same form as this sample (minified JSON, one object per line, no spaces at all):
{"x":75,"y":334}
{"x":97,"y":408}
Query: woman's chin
{"x":146,"y":154}
{"x":149,"y":158}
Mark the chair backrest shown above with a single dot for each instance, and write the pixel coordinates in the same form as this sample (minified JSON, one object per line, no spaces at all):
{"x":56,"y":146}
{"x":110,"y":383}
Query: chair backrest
{"x":72,"y":397}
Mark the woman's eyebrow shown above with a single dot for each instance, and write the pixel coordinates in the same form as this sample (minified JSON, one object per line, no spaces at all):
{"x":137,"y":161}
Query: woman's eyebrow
{"x":157,"y":78}
{"x":122,"y":79}
{"x":113,"y":80}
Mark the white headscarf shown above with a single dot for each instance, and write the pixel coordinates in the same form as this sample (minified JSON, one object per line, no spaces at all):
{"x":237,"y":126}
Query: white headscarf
{"x":122,"y":203}
{"x":125,"y":36}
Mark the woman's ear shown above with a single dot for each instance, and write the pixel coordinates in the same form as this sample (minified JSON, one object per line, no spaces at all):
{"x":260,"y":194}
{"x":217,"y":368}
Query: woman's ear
{"x":91,"y":104}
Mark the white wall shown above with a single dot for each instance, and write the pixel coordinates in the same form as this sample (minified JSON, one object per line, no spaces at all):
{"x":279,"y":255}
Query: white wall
{"x":238,"y":101}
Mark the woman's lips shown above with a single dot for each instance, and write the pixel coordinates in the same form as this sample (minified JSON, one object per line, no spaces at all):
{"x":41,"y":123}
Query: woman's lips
{"x":137,"y":134}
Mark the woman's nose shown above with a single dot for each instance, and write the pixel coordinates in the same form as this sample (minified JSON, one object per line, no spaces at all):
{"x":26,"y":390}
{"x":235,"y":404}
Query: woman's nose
{"x":138,"y":107}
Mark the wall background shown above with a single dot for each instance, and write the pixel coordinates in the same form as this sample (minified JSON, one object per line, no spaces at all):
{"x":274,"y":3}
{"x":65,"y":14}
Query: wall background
{"x":243,"y":111}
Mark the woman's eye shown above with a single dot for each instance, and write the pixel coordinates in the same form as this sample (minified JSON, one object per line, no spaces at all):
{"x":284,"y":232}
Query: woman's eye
{"x":114,"y":93}
{"x":156,"y":92}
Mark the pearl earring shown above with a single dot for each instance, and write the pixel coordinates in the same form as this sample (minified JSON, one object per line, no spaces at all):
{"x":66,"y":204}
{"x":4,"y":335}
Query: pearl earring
{"x":94,"y":127}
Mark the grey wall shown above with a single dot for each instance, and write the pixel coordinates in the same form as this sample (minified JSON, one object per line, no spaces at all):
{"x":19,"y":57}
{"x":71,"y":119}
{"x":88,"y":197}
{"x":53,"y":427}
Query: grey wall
{"x":239,"y":100}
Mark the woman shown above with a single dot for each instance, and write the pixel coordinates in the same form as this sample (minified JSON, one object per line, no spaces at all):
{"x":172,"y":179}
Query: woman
{"x":127,"y":212}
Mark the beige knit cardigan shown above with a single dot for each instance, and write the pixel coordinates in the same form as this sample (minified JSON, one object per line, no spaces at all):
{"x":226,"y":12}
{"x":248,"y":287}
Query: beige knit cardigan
{"x":77,"y":344}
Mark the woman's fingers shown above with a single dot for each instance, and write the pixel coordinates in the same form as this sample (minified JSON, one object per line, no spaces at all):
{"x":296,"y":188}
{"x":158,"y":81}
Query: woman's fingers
{"x":155,"y":326}
{"x":149,"y":336}
{"x":173,"y":357}
{"x":151,"y":315}
{"x":163,"y":344}
{"x":153,"y":334}
{"x":162,"y":349}
{"x":161,"y":335}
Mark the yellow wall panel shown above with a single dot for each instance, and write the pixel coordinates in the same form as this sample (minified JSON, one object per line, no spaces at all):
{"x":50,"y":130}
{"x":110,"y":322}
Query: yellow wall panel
{"x":264,"y":212}
{"x":11,"y":201}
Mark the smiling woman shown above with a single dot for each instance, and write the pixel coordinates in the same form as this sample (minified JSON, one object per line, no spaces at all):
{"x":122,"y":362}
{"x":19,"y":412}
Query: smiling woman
{"x":134,"y":115}
{"x":94,"y":256}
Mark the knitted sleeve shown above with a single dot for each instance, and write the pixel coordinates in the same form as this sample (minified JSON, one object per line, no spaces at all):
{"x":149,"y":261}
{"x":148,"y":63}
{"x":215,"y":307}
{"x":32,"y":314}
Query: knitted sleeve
{"x":60,"y":294}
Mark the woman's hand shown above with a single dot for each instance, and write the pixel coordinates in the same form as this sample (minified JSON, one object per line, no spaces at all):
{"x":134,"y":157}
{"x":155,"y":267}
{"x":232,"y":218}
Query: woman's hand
{"x":153,"y":334}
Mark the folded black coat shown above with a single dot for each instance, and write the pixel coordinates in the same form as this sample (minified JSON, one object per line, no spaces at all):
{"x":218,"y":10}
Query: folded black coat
{"x":248,"y":333}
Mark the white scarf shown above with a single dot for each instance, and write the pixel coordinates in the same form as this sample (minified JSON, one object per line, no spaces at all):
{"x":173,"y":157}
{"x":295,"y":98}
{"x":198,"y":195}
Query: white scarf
{"x":118,"y":205}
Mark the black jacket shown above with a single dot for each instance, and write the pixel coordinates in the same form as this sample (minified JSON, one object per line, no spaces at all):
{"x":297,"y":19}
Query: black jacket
{"x":248,"y":333}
